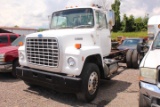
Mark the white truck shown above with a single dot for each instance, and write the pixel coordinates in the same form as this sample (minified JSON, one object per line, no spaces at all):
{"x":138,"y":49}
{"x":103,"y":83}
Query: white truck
{"x":73,"y":55}
{"x":153,"y":22}
{"x":150,"y":69}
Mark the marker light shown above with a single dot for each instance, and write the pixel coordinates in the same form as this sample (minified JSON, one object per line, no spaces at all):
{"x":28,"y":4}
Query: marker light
{"x":78,"y":46}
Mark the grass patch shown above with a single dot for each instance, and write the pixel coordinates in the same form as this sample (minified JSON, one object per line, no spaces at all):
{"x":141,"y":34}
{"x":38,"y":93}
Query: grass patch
{"x":129,"y":34}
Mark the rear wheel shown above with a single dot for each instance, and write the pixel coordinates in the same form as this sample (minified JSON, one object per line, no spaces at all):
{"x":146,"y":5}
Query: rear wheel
{"x":15,"y":64}
{"x":129,"y":58}
{"x":135,"y":59}
{"x":90,"y":82}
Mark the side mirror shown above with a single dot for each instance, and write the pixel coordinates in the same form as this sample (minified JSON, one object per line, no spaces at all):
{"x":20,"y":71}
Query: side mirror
{"x":111,"y":18}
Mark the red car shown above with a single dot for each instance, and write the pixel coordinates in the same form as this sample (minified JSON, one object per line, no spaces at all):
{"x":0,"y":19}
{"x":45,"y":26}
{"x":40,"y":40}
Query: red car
{"x":9,"y":56}
{"x":7,"y":38}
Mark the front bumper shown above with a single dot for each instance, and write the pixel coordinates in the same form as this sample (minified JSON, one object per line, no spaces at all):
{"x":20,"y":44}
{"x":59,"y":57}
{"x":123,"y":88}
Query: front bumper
{"x":50,"y":80}
{"x":151,"y":93}
{"x":5,"y":67}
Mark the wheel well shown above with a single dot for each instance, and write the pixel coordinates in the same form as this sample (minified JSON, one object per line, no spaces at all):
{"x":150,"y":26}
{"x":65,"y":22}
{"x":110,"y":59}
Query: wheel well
{"x":96,"y":59}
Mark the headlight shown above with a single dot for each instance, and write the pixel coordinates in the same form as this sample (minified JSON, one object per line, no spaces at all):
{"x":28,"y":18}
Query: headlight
{"x":2,"y":58}
{"x":148,"y":75}
{"x":71,"y":61}
{"x":21,"y":56}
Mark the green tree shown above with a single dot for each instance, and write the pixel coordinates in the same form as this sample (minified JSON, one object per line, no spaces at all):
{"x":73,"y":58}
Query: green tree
{"x":131,"y":24}
{"x":41,"y":29}
{"x":116,"y":8}
{"x":16,"y":26}
{"x":145,"y":22}
{"x":124,"y":27}
{"x":139,"y":24}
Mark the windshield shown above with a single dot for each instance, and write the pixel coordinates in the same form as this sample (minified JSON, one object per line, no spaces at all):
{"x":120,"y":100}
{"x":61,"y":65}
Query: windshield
{"x":19,"y":39}
{"x":131,"y":42}
{"x":156,"y":43}
{"x":73,"y":18}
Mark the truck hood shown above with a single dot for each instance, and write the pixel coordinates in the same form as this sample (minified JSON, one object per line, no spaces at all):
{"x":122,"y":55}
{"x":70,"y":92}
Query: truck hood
{"x":7,"y":49}
{"x":62,"y":32}
{"x":68,"y":37}
{"x":152,"y":59}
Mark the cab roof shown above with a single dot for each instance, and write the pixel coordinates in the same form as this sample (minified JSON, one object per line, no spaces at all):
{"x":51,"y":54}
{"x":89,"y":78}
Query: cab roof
{"x":81,"y":7}
{"x":154,"y":20}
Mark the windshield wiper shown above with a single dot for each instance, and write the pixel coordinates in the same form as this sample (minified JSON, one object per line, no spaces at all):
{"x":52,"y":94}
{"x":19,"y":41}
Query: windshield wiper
{"x":62,"y":27}
{"x":82,"y":26}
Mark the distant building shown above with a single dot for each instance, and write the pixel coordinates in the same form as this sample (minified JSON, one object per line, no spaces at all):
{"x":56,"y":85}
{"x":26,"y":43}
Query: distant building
{"x":17,"y":30}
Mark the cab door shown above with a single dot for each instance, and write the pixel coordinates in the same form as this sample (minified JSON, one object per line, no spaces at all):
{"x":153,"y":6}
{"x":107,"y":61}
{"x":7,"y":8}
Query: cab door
{"x":103,"y":33}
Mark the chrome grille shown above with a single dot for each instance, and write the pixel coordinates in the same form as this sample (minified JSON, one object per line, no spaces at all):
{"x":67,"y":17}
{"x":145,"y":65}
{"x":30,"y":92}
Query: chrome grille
{"x":43,"y":51}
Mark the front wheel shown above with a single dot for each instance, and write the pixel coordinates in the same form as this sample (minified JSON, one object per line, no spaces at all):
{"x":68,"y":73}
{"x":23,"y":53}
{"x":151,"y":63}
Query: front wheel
{"x":142,"y":102}
{"x":90,"y":82}
{"x":29,"y":84}
{"x":15,"y":64}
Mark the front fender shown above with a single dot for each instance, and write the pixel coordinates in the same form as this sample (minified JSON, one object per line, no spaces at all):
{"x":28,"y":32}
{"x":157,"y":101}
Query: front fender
{"x":79,"y":56}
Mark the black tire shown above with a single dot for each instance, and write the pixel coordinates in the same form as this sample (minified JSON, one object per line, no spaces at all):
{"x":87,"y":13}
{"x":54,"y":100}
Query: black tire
{"x":135,"y":59}
{"x":90,"y":73}
{"x":14,"y":65}
{"x":129,"y":58}
{"x":142,"y":102}
{"x":29,"y":84}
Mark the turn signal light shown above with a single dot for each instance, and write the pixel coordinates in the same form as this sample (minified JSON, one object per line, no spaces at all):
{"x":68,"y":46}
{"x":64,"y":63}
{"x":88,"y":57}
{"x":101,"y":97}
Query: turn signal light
{"x":159,"y":26}
{"x":20,"y":43}
{"x":141,"y":78}
{"x":78,"y":46}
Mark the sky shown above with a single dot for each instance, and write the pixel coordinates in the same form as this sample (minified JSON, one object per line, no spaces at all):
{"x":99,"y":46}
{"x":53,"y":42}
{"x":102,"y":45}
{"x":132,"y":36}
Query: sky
{"x":35,"y":13}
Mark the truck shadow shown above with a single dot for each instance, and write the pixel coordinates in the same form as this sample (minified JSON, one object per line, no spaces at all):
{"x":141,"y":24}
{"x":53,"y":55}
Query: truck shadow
{"x":107,"y":92}
{"x":7,"y":77}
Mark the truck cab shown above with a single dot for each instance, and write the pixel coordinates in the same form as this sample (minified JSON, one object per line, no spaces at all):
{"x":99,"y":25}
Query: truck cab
{"x":150,"y":73}
{"x":72,"y":54}
{"x":7,"y":38}
{"x":153,"y":22}
{"x":9,"y":56}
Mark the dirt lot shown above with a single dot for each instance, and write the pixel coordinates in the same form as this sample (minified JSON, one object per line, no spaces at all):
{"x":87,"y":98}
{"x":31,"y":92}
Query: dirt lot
{"x":121,"y":91}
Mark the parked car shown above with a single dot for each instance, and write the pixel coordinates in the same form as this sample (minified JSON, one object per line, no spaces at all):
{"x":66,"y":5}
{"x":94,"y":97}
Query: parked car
{"x":7,"y":38}
{"x":9,"y":56}
{"x":132,"y":58}
{"x":130,"y":43}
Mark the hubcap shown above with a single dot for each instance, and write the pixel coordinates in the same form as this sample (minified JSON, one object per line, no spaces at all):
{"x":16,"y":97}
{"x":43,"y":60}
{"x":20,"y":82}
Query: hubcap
{"x":93,"y":83}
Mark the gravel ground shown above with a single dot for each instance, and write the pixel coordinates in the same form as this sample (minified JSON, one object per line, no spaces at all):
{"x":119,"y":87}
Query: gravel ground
{"x":121,"y":91}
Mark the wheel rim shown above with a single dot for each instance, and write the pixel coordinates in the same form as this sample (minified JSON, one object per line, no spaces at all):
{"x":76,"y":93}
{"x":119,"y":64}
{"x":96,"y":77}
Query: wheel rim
{"x":93,"y":83}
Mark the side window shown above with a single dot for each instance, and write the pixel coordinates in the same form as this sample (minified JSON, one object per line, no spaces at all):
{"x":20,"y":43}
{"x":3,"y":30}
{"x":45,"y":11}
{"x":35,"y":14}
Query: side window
{"x":101,"y":19}
{"x":156,"y":43}
{"x":3,"y":39}
{"x":12,"y":37}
